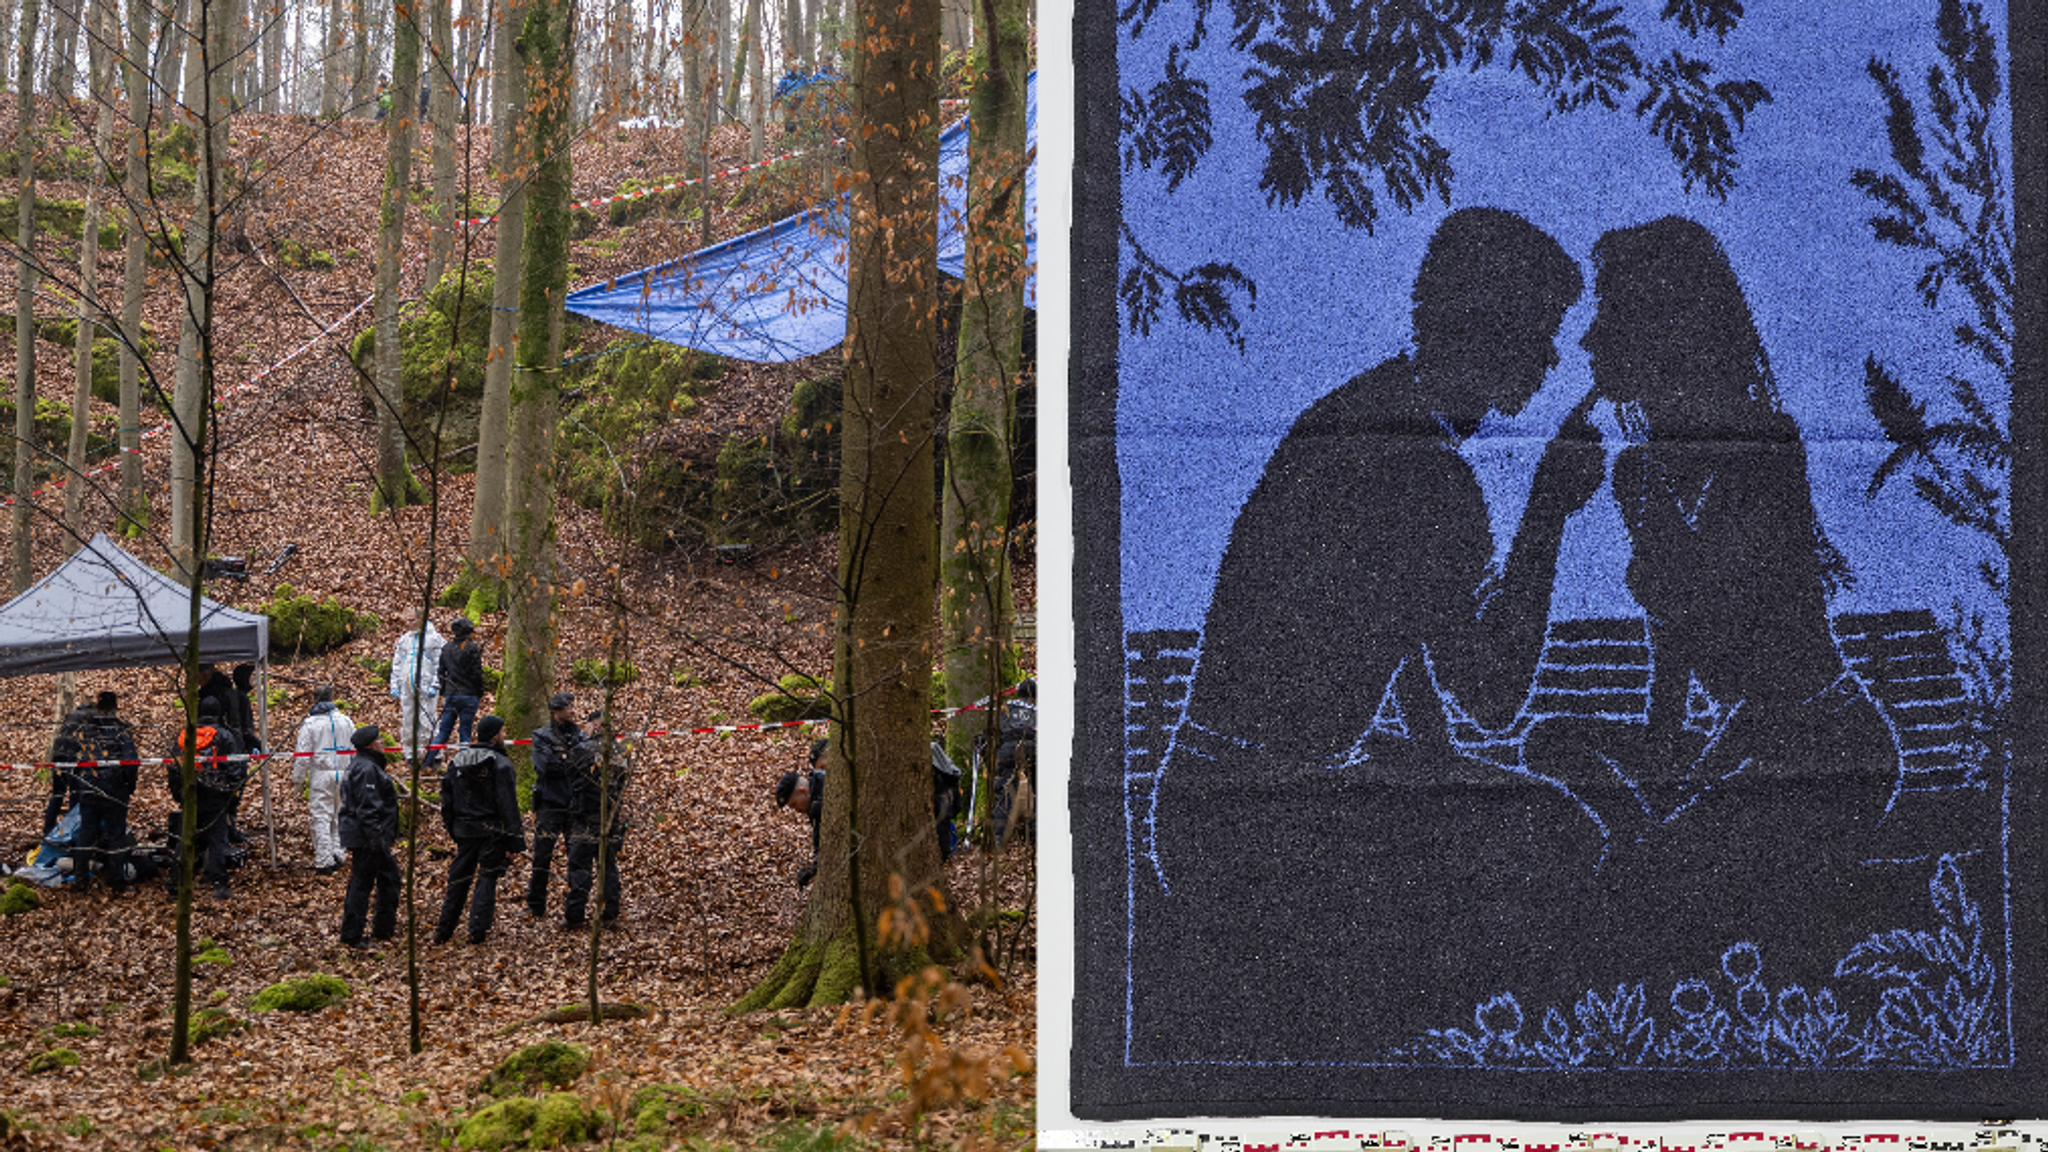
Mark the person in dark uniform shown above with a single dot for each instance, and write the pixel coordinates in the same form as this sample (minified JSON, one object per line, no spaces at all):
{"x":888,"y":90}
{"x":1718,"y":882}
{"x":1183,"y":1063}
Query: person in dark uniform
{"x":559,"y":750}
{"x":597,"y":821}
{"x":101,"y":748}
{"x":480,"y":809}
{"x":369,"y":827}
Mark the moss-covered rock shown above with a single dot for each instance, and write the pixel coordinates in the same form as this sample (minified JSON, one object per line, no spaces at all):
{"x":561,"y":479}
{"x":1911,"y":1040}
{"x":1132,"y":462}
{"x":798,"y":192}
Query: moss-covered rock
{"x":211,"y":1024}
{"x":442,"y":349}
{"x":502,"y":1125}
{"x":303,"y":626}
{"x":551,"y":1063}
{"x":19,"y":898}
{"x":52,"y":1060}
{"x":662,"y":1109}
{"x":607,"y":450}
{"x":305,"y":994}
{"x":53,"y":433}
{"x":106,"y":354}
{"x":563,"y":1119}
{"x":801,"y":698}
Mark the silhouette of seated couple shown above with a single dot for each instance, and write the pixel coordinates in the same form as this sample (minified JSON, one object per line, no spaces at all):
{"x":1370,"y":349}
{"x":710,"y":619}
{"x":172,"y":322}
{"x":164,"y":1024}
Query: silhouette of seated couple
{"x":1360,"y":623}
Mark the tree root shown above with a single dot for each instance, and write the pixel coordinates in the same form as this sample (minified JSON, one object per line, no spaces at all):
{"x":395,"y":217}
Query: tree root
{"x":577,"y":1013}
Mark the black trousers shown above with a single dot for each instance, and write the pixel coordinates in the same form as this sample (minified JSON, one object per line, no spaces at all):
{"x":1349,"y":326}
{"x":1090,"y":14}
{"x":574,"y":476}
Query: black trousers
{"x":370,"y":868}
{"x":582,"y":869}
{"x":210,"y":848}
{"x":102,"y":838}
{"x":547,"y":831}
{"x":481,"y":859}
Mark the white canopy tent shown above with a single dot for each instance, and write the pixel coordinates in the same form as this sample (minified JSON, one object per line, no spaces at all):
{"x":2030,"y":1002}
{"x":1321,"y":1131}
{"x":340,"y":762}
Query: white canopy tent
{"x":103,"y":608}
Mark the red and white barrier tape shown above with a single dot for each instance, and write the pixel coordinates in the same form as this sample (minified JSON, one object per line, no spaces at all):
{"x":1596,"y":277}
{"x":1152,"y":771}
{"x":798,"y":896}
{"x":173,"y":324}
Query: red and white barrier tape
{"x":246,"y":757}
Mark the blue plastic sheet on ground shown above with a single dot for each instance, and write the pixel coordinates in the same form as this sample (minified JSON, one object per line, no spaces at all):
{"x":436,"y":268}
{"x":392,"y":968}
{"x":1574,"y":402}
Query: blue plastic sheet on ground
{"x":779,"y":293}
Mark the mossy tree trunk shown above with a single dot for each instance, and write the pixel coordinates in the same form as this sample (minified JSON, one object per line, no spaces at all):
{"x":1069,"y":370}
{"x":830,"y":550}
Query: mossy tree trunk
{"x":25,"y":299}
{"x":134,"y":271}
{"x":514,"y":162}
{"x":547,"y":49}
{"x":877,"y":825}
{"x":395,"y":483}
{"x":441,"y":73}
{"x":974,"y":543}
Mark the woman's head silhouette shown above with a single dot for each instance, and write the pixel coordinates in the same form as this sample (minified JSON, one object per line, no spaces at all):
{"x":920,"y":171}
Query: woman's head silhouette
{"x":1674,"y":334}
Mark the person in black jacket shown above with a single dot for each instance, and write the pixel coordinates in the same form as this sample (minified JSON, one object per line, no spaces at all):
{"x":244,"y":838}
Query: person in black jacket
{"x":221,"y":775}
{"x":804,"y":794}
{"x":101,"y":749}
{"x":480,"y":809}
{"x":559,"y":751}
{"x":462,"y":685}
{"x":369,"y":826}
{"x":596,"y":820}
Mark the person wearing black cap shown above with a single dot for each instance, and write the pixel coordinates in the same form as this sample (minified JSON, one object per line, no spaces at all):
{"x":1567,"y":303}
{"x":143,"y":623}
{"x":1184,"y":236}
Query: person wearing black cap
{"x":369,"y":826}
{"x":462,"y":685}
{"x":804,"y":794}
{"x":480,"y":809}
{"x":560,"y":750}
{"x":220,"y":773}
{"x":101,"y":749}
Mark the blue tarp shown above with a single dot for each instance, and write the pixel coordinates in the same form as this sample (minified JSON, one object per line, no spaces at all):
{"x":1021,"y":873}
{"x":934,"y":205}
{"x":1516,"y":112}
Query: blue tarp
{"x":779,"y":293}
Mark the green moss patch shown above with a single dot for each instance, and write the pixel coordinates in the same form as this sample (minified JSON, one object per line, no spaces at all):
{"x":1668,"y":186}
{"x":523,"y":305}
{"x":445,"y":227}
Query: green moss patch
{"x":801,"y":698}
{"x":306,"y":994}
{"x":52,"y":1060}
{"x":550,"y":1063}
{"x":213,"y":955}
{"x":603,"y":673}
{"x":211,"y":1024}
{"x":303,"y":626}
{"x":74,"y":1029}
{"x":502,"y":1125}
{"x":665,"y":1109}
{"x":20,"y":898}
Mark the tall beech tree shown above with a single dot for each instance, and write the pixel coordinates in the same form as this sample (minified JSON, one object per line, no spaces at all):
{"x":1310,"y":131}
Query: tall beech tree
{"x":877,"y":824}
{"x":396,"y":487}
{"x":975,"y":537}
{"x":547,"y":50}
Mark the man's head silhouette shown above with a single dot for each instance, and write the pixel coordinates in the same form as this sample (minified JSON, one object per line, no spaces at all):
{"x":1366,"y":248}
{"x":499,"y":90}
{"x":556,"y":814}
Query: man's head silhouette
{"x":1488,"y":300}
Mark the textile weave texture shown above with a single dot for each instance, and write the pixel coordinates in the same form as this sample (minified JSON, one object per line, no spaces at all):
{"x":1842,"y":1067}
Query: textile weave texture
{"x":1559,"y":586}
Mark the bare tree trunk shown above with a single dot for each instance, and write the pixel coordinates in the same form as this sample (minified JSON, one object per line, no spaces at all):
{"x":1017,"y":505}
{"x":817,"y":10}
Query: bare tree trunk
{"x":271,"y":91}
{"x":877,"y":829}
{"x":442,"y":73}
{"x":64,"y":48}
{"x":697,"y":34}
{"x":362,"y":85}
{"x":25,"y":300}
{"x":487,"y":512}
{"x":98,"y":79}
{"x":974,"y":540}
{"x":547,"y":47}
{"x":958,"y":23}
{"x":757,"y":103}
{"x":134,"y":501}
{"x":394,"y":480}
{"x":294,"y":97}
{"x":170,"y":63}
{"x":333,"y":96}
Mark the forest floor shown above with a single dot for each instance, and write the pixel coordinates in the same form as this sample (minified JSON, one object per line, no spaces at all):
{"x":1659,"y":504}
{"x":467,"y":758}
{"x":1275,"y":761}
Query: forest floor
{"x":708,"y":867}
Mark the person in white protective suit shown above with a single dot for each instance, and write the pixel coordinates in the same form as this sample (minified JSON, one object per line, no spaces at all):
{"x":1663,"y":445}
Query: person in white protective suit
{"x":419,"y":701}
{"x":323,"y":755}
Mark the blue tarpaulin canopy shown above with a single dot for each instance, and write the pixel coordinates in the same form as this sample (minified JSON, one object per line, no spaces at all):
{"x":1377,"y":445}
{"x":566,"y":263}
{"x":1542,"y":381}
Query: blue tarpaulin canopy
{"x":779,"y":293}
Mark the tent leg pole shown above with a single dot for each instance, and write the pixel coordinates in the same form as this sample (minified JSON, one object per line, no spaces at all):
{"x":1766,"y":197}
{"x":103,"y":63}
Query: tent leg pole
{"x":263,"y":734}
